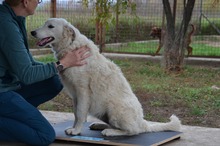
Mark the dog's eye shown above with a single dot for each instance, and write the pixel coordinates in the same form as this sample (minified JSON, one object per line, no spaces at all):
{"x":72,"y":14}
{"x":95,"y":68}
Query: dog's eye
{"x":50,"y":26}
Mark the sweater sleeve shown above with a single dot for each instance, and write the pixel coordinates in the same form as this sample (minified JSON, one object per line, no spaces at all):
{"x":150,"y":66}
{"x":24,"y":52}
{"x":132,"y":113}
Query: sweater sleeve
{"x":20,"y":63}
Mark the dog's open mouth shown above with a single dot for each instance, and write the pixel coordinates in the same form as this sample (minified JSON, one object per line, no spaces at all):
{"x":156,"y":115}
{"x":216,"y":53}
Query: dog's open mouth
{"x":45,"y":41}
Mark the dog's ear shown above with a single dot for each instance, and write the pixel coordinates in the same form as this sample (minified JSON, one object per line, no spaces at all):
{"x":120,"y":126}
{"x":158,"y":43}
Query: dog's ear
{"x":69,"y":33}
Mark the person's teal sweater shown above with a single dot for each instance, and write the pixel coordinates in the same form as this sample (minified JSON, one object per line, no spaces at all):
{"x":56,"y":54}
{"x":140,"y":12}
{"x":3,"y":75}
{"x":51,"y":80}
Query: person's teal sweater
{"x":16,"y":63}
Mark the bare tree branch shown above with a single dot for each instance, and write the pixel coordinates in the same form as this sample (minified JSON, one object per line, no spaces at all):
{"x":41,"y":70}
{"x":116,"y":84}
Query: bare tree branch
{"x":169,"y":17}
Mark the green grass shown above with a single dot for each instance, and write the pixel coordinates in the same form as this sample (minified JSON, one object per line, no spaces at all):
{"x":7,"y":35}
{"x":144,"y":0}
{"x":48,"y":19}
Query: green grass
{"x":193,"y":86}
{"x":150,"y":47}
{"x":190,"y":92}
{"x":205,"y":50}
{"x":132,"y":47}
{"x":46,"y":59}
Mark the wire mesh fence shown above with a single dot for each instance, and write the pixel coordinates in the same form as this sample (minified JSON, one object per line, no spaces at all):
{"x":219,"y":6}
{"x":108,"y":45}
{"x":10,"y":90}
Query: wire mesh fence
{"x":132,"y":35}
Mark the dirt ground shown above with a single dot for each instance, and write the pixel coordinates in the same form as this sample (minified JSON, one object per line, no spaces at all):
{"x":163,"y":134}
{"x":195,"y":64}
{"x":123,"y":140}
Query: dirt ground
{"x":158,"y":113}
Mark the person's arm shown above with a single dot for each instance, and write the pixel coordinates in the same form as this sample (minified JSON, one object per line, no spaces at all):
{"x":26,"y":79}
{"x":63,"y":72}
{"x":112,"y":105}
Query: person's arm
{"x":21,"y":63}
{"x":18,"y":58}
{"x":35,"y":62}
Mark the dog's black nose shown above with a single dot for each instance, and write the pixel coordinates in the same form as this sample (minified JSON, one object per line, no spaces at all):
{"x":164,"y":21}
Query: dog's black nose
{"x":33,"y":33}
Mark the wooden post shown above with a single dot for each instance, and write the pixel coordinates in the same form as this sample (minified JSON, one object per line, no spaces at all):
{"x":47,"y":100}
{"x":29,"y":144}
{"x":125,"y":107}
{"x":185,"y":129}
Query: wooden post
{"x":53,"y":8}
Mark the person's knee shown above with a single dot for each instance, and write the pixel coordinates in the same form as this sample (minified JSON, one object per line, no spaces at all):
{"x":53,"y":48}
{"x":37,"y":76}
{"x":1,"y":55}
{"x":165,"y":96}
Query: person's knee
{"x":50,"y":138}
{"x":46,"y":139}
{"x":56,"y":86}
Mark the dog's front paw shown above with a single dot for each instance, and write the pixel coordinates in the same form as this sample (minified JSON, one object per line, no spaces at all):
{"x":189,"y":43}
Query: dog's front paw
{"x":72,"y":131}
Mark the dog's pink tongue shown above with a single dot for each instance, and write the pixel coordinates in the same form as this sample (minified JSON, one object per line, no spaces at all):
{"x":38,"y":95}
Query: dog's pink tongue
{"x":43,"y":41}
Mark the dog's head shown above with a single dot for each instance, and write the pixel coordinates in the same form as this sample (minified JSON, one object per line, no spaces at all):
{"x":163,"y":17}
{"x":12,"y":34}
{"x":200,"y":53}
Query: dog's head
{"x":155,"y":32}
{"x":53,"y":32}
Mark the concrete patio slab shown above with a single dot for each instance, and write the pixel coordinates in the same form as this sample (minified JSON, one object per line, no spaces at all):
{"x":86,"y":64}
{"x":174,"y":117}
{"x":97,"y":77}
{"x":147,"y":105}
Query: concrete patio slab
{"x":192,"y":135}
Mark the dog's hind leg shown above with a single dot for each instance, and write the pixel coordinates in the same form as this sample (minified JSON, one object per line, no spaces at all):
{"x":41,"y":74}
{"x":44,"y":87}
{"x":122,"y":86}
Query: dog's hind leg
{"x":102,"y":124}
{"x":82,"y":108}
{"x":114,"y":132}
{"x":158,"y":49}
{"x":128,"y":128}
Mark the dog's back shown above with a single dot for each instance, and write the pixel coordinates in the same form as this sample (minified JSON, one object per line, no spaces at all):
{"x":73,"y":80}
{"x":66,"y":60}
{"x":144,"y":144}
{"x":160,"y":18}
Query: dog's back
{"x":104,"y":80}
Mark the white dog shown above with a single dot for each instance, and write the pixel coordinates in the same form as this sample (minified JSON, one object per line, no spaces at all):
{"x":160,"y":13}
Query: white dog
{"x":98,"y":88}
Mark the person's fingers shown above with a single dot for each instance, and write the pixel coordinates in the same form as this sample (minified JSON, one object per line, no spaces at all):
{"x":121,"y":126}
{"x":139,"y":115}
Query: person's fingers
{"x":80,"y":52}
{"x":83,"y":62}
{"x":74,"y":50}
{"x":83,"y":50}
{"x":84,"y":53}
{"x":84,"y":56}
{"x":80,"y":63}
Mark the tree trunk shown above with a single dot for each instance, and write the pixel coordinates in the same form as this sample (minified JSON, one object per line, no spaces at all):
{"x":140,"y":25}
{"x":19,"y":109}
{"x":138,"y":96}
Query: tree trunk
{"x":100,"y":28}
{"x":174,"y":44}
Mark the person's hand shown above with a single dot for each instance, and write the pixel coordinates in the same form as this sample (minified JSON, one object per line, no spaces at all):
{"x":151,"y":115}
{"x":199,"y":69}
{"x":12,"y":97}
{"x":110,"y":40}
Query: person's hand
{"x":75,"y":57}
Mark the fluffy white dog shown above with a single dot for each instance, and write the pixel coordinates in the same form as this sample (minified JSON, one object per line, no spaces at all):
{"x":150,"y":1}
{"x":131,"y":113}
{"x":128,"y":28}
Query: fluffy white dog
{"x":98,"y":88}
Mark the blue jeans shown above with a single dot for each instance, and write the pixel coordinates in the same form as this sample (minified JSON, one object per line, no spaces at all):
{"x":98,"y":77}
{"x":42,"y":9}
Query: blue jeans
{"x":20,"y":120}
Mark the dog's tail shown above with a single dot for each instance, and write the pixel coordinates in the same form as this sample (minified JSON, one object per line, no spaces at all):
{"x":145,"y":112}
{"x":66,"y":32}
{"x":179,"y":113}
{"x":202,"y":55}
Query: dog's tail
{"x":173,"y":125}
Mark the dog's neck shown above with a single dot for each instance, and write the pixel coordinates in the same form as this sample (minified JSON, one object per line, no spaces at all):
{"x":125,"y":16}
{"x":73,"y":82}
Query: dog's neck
{"x":61,"y":48}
